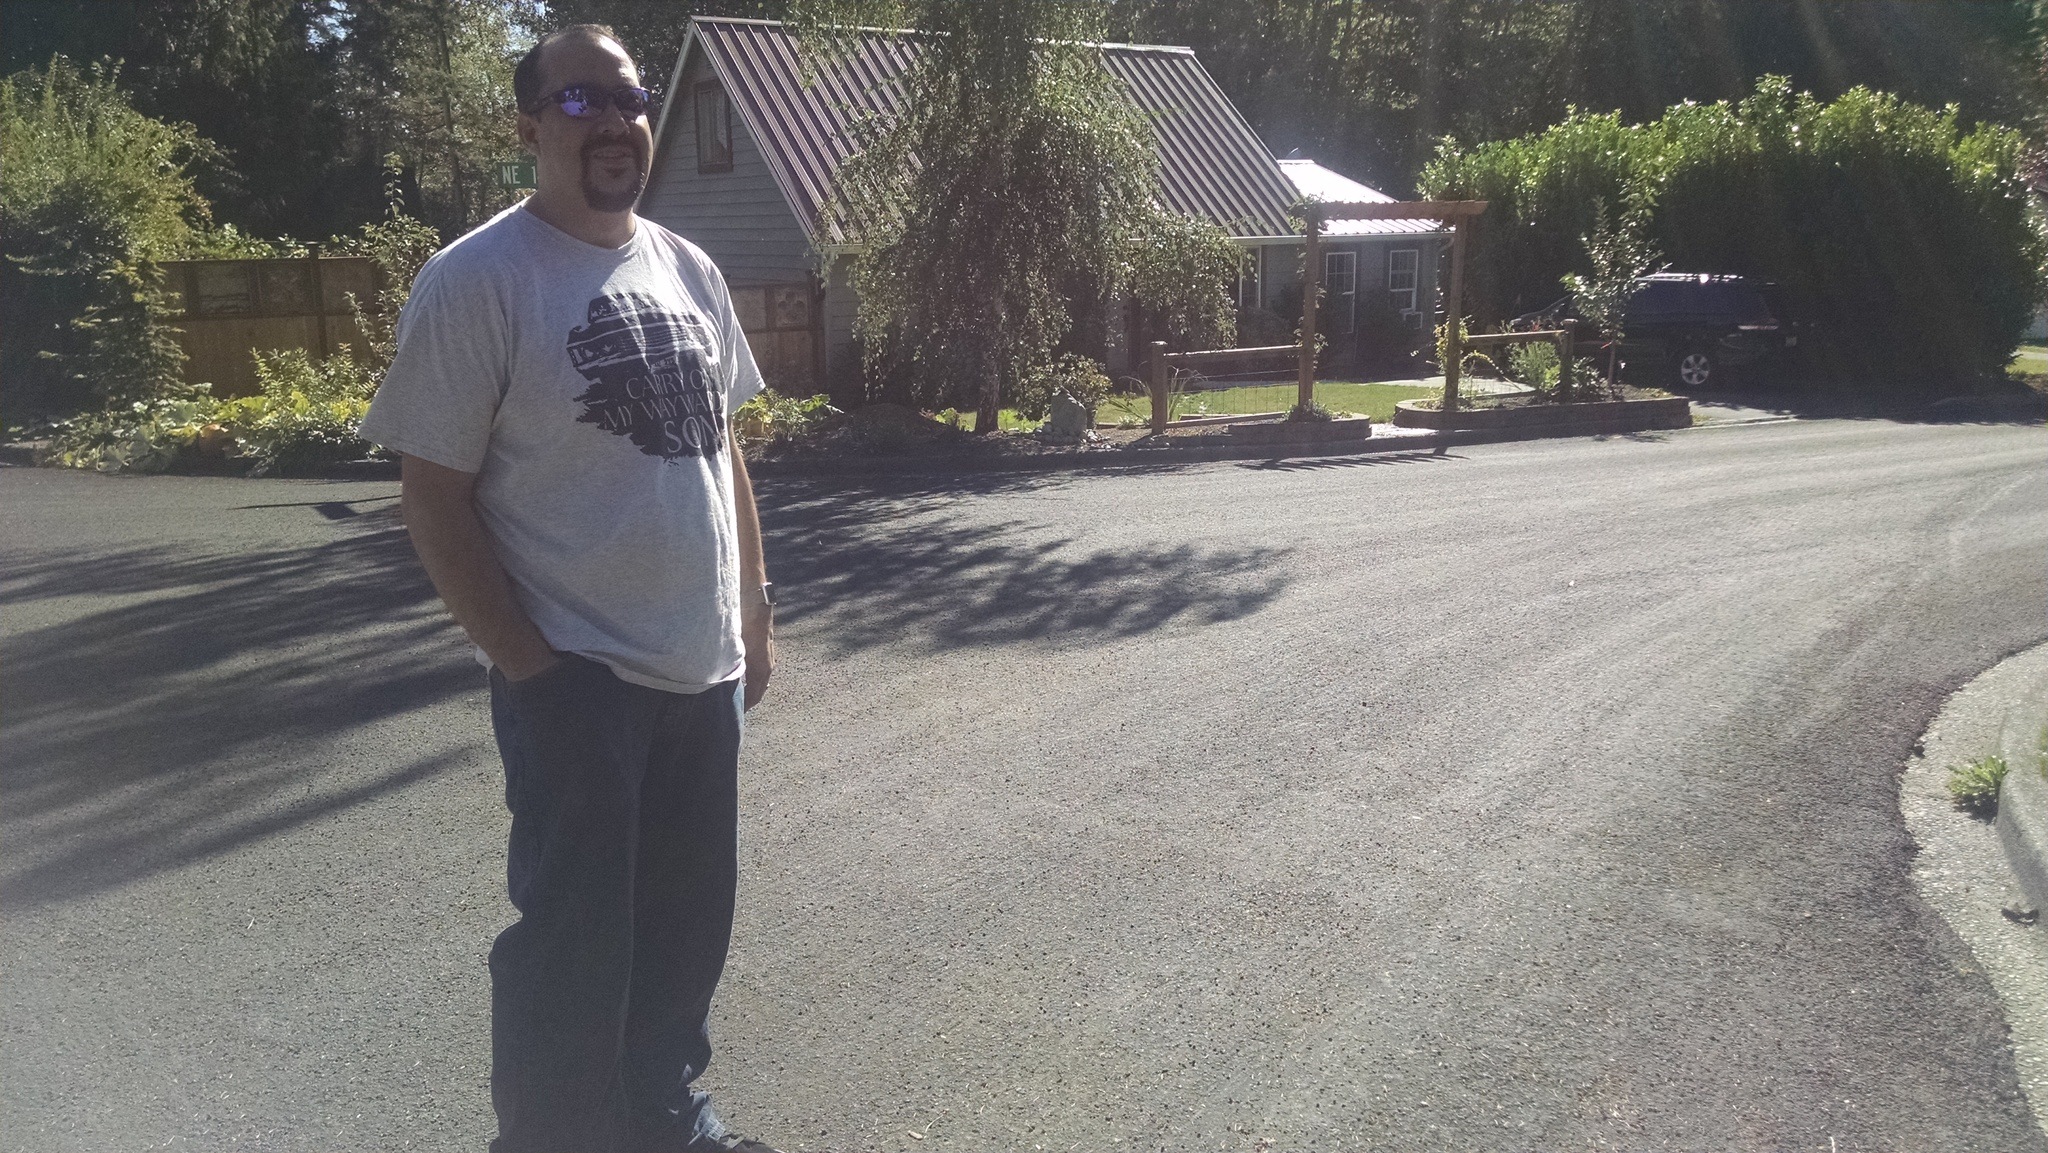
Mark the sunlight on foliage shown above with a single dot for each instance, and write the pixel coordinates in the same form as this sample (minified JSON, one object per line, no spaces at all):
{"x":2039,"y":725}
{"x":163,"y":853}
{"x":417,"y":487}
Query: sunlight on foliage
{"x":1008,"y":206}
{"x":772,"y":418}
{"x":92,"y":195}
{"x":1910,"y":241}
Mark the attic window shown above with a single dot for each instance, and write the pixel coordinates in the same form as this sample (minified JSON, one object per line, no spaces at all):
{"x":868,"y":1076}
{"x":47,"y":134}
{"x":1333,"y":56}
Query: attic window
{"x":714,"y":128}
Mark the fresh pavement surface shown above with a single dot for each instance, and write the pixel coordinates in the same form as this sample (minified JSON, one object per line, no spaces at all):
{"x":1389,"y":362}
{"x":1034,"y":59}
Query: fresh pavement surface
{"x":1527,"y":797}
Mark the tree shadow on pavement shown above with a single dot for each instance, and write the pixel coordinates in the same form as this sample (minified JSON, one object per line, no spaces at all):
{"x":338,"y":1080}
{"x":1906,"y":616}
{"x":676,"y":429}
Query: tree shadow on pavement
{"x":890,"y":562}
{"x":171,"y":718}
{"x":164,"y":706}
{"x":1324,"y":463}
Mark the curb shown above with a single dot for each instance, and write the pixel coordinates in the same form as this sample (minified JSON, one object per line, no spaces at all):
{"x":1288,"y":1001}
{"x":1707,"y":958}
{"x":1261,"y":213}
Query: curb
{"x":2004,"y":712}
{"x":1135,"y":458}
{"x":2023,"y":798}
{"x":1125,"y":458}
{"x":1967,"y":870}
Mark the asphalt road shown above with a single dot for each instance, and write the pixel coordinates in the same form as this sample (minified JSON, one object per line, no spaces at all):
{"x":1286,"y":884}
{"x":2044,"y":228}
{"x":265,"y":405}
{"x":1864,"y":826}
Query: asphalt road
{"x":1535,"y":797}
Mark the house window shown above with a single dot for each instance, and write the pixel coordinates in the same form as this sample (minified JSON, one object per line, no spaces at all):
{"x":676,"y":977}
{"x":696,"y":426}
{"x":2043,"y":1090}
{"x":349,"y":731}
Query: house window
{"x":714,"y":128}
{"x":1402,"y":266}
{"x":1340,"y":291}
{"x":1248,"y":279}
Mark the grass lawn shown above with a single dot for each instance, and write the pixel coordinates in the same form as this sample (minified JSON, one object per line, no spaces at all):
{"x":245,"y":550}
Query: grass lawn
{"x":1343,"y":396}
{"x":1373,"y":400}
{"x":2031,"y":358}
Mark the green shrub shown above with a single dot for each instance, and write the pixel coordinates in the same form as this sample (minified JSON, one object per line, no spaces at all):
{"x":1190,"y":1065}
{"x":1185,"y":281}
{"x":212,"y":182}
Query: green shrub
{"x":1077,"y":376}
{"x":1542,"y":192}
{"x":1975,"y":785}
{"x":307,"y":416}
{"x":304,"y":420}
{"x":1909,"y":240}
{"x":92,"y":195}
{"x":1181,"y":271}
{"x":772,"y":418}
{"x":1534,"y":364}
{"x":154,"y":435}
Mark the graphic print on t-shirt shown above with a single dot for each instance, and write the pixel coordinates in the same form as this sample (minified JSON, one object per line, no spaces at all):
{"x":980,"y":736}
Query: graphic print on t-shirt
{"x":648,"y":378}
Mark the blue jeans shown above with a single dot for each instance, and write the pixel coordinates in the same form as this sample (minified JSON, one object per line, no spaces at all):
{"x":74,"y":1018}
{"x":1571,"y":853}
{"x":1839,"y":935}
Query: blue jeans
{"x":623,"y":863}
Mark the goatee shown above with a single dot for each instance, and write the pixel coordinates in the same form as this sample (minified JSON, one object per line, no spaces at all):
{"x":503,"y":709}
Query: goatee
{"x":600,"y":200}
{"x":613,"y":200}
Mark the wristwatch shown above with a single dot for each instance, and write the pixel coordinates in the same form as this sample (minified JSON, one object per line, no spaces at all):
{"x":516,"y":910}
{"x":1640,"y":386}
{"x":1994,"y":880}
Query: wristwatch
{"x":768,"y":593}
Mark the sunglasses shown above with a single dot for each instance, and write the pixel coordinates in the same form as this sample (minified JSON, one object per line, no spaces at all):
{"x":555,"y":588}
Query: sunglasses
{"x":580,"y":102}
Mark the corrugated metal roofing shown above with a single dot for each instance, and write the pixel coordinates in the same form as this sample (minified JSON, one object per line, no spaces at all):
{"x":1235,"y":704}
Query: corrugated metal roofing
{"x":804,"y":112}
{"x":1211,"y":163}
{"x":1312,"y":181}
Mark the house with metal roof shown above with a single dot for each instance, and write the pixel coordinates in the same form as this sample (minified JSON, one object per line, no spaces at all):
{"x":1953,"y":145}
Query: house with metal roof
{"x":752,"y":132}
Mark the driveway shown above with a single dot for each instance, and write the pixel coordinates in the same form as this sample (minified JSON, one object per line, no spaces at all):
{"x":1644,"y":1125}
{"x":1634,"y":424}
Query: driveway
{"x":1532,"y":796}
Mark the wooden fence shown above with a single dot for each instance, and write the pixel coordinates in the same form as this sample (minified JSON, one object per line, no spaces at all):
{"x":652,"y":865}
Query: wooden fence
{"x":225,"y":309}
{"x":1164,"y":362}
{"x":1565,"y":337}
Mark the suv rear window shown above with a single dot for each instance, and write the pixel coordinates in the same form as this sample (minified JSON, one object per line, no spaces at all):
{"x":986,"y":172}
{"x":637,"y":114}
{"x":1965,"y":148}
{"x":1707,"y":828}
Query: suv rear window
{"x":1738,"y":302}
{"x":1657,"y":298}
{"x":1722,"y":301}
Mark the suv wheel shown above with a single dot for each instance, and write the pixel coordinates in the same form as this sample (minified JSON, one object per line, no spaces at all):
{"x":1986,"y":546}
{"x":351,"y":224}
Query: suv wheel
{"x":1696,"y":368}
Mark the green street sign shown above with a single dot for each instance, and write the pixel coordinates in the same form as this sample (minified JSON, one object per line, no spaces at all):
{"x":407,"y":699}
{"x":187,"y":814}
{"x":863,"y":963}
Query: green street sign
{"x":516,"y":173}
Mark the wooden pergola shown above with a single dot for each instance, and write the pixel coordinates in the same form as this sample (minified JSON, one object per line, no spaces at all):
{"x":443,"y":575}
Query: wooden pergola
{"x":1318,"y":213}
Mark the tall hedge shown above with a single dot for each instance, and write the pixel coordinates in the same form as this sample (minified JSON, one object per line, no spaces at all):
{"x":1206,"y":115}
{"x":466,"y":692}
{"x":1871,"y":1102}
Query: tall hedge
{"x":1909,"y":240}
{"x":92,"y":195}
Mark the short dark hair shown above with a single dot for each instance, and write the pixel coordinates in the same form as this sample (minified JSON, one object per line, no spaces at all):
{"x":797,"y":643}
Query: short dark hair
{"x":526,"y":76}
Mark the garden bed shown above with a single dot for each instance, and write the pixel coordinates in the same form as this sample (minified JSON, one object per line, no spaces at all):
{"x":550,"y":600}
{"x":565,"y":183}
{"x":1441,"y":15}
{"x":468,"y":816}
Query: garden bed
{"x":1529,"y":416}
{"x":1302,"y":431}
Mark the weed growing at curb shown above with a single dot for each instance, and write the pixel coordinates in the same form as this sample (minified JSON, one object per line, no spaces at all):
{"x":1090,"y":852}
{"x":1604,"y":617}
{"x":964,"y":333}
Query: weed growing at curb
{"x":1975,"y":785}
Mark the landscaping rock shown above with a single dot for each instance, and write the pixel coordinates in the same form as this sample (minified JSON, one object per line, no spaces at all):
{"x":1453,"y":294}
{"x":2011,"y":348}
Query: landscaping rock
{"x":1069,"y":421}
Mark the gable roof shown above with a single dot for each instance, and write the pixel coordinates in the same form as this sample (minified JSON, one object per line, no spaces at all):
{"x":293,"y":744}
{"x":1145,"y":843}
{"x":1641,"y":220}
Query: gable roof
{"x":802,"y":112}
{"x":1314,"y":182}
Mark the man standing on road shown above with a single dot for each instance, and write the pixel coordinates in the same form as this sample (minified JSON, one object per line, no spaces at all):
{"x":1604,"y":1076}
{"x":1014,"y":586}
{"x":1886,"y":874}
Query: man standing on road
{"x":560,"y":396}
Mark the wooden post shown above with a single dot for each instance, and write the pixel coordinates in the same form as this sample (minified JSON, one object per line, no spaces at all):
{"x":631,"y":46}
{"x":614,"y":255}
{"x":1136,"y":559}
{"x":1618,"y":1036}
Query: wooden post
{"x":1311,"y":287}
{"x":319,"y":304}
{"x":1454,"y":349}
{"x":1159,"y":399}
{"x":1564,"y":362}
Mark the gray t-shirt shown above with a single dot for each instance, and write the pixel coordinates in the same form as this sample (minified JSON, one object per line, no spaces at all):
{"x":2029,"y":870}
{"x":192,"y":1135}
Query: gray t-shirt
{"x":589,"y":390}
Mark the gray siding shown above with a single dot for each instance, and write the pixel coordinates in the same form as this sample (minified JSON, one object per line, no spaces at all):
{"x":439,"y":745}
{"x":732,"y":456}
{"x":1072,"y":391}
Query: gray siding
{"x":841,"y":357}
{"x":1280,"y":270}
{"x":1281,"y":266}
{"x":739,"y":218}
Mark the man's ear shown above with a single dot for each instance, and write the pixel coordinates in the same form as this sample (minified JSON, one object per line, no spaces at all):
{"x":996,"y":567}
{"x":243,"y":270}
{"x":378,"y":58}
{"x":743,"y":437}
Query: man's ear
{"x":528,"y":129}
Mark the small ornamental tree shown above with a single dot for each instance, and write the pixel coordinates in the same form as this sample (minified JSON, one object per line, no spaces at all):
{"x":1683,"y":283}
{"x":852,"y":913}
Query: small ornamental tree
{"x":1009,"y":195}
{"x":1619,"y":254}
